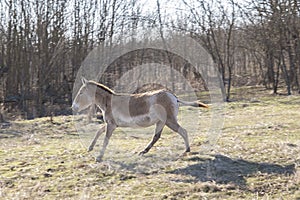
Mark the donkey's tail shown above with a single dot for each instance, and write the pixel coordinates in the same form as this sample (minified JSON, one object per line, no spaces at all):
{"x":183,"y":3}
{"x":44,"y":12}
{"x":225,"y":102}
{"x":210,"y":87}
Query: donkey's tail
{"x":193,"y":103}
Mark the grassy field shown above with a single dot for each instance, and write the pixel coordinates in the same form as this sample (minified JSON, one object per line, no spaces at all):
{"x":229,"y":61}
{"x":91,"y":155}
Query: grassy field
{"x":257,"y":156}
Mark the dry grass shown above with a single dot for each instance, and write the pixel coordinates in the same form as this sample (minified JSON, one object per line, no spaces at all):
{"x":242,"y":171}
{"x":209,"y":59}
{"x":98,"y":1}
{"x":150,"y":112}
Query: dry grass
{"x":256,"y":157}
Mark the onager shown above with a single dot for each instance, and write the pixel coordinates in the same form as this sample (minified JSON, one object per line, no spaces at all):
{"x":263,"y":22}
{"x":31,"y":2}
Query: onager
{"x":132,"y":110}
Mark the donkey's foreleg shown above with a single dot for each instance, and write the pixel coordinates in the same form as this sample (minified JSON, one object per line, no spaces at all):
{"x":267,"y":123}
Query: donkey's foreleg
{"x":91,"y":113}
{"x":99,"y":132}
{"x":109,"y":130}
{"x":159,"y":127}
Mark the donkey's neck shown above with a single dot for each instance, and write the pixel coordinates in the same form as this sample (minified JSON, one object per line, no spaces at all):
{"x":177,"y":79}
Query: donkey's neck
{"x":103,"y":99}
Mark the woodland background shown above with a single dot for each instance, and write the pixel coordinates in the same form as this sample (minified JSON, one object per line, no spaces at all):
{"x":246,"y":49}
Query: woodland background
{"x":43,"y":43}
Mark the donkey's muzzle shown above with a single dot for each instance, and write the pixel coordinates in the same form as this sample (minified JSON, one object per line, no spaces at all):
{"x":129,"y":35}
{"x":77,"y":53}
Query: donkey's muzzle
{"x":75,"y":107}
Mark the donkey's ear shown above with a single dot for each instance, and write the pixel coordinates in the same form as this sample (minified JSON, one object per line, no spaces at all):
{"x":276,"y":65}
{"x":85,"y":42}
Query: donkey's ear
{"x":84,"y":81}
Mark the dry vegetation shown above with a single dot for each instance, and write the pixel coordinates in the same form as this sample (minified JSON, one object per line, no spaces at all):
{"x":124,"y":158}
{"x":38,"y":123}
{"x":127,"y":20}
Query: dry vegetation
{"x":257,"y":157}
{"x":44,"y":43}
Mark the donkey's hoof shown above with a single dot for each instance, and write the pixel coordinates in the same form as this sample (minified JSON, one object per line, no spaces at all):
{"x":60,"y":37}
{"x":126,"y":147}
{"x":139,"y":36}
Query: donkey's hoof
{"x":142,"y":153}
{"x":188,"y":149}
{"x":99,"y":159}
{"x":90,"y":149}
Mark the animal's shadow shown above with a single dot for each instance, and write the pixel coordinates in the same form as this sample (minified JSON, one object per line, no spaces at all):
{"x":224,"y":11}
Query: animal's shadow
{"x":217,"y":168}
{"x":222,"y":169}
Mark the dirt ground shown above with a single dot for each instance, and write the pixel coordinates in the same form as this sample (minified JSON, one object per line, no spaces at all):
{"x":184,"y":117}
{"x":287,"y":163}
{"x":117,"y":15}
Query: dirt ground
{"x":256,"y":156}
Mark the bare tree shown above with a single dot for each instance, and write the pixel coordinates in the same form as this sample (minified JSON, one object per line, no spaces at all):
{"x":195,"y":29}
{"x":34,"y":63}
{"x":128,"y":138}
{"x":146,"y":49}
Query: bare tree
{"x":276,"y":30}
{"x":214,"y":27}
{"x":43,"y":43}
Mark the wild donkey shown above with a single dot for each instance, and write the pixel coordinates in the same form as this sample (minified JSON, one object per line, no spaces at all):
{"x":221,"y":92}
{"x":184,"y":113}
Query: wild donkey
{"x":132,"y":110}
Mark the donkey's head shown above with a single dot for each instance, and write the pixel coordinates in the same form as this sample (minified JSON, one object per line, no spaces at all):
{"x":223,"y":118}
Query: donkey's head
{"x":85,"y":96}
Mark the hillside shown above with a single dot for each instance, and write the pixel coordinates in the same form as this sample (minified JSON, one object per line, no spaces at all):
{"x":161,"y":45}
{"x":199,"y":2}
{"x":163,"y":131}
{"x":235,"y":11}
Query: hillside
{"x":256,"y":157}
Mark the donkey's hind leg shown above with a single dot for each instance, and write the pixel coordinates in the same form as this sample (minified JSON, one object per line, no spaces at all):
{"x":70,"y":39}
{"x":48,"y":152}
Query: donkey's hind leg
{"x":158,"y":129}
{"x":173,"y":124}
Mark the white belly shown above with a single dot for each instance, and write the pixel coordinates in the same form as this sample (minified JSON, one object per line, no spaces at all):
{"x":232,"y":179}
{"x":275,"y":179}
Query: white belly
{"x":136,"y":121}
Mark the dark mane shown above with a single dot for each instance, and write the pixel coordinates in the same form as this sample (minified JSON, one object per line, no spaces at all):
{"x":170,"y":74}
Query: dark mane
{"x":103,"y":87}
